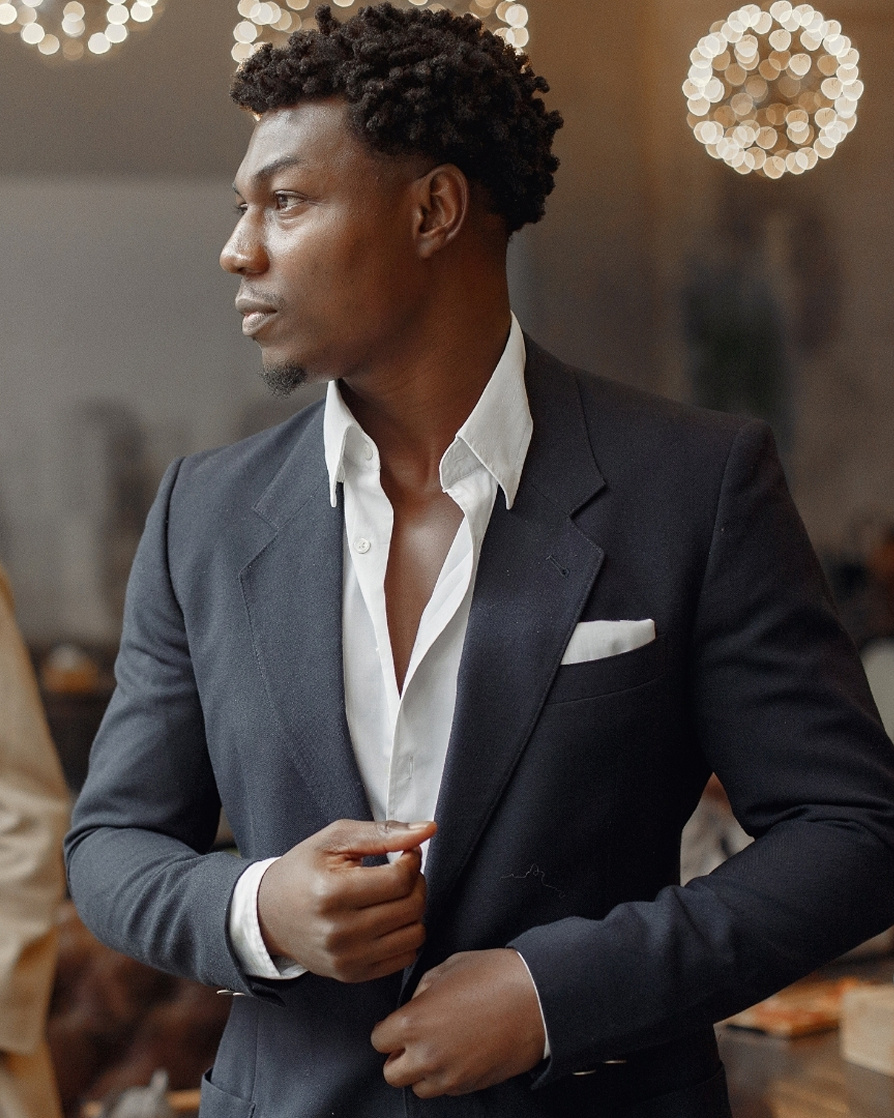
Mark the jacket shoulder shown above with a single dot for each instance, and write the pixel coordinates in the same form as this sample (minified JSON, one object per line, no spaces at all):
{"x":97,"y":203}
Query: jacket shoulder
{"x":253,"y":461}
{"x":634,"y":427}
{"x":216,"y":500}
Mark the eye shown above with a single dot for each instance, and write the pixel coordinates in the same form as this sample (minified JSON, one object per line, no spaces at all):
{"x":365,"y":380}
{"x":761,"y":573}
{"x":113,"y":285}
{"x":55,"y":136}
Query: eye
{"x":240,"y":208}
{"x":287,"y":200}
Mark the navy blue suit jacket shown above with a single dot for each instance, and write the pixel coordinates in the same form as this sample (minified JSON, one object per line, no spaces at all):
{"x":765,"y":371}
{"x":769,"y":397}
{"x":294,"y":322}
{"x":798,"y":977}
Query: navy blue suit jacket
{"x":565,"y":788}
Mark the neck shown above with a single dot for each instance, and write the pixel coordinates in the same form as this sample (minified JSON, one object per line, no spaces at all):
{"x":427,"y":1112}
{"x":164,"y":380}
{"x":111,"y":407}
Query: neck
{"x":413,"y":410}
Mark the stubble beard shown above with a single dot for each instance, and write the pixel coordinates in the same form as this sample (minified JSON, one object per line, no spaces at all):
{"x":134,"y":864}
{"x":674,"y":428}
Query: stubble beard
{"x":282,"y":380}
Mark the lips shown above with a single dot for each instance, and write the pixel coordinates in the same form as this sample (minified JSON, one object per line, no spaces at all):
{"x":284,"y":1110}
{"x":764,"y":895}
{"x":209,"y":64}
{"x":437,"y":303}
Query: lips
{"x":255,"y":321}
{"x":256,"y":314}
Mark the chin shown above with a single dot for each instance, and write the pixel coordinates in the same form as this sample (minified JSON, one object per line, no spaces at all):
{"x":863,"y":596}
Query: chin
{"x":282,"y":378}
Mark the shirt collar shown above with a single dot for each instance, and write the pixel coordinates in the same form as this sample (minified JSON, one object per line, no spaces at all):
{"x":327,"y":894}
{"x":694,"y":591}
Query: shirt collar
{"x":497,"y":432}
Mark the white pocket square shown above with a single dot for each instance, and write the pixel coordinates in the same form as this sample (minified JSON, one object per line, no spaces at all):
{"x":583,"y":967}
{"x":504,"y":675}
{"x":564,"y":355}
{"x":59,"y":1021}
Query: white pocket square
{"x":594,"y":640}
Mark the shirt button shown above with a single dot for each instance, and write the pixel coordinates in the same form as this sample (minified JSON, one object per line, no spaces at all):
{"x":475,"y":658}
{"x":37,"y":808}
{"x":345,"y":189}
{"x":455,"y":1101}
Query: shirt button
{"x":362,"y":545}
{"x":367,"y":451}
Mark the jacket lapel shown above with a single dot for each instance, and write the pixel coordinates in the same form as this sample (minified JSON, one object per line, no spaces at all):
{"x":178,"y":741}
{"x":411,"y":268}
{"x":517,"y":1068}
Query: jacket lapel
{"x":293,"y":591}
{"x":536,"y":572}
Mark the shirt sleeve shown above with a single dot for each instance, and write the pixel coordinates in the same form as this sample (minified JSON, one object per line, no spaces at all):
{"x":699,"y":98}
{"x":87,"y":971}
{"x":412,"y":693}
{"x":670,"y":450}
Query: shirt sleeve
{"x":547,"y":1051}
{"x":245,"y":930}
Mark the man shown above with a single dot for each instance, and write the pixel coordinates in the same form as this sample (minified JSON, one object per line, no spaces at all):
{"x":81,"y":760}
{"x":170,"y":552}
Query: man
{"x":33,"y":817}
{"x":478,"y":587}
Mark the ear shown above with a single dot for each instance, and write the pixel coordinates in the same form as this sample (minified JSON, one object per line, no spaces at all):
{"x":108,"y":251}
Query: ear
{"x":442,"y":206}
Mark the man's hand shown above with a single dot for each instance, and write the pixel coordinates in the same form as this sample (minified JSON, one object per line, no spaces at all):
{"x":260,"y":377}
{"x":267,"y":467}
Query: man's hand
{"x":474,"y":1021}
{"x":320,"y":906}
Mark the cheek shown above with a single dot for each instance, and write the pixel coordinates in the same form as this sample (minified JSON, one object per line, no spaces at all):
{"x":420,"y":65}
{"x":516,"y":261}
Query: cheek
{"x":371,"y":283}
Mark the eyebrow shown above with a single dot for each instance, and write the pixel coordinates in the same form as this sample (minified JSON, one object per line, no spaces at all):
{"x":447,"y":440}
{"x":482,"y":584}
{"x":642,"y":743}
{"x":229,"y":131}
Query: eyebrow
{"x":270,"y":169}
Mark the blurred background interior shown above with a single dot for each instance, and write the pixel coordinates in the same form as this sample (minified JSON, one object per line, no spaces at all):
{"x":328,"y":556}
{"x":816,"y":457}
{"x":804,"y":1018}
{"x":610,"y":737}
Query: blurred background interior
{"x":656,"y":265}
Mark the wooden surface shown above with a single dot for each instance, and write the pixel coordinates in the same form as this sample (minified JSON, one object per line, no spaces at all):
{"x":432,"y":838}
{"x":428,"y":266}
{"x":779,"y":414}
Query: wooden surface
{"x":772,"y":1077}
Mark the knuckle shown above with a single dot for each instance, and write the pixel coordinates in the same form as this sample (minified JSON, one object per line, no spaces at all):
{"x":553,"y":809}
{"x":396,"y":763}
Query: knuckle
{"x":347,"y":971}
{"x":430,"y":1063}
{"x":407,"y":874}
{"x":337,"y":834}
{"x":402,"y":1024}
{"x":332,"y":937}
{"x":416,"y":936}
{"x":392,"y":1077}
{"x":326,"y":894}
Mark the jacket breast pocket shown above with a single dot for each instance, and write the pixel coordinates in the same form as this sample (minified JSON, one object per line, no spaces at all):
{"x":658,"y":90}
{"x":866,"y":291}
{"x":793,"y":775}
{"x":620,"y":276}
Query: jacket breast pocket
{"x":609,"y":674}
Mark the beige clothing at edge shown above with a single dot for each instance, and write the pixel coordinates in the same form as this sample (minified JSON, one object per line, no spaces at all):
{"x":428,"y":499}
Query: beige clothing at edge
{"x":33,"y":819}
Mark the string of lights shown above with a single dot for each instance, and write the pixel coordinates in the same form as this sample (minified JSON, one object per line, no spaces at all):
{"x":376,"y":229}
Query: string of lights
{"x":270,"y":22}
{"x":70,"y":30}
{"x":775,"y":91}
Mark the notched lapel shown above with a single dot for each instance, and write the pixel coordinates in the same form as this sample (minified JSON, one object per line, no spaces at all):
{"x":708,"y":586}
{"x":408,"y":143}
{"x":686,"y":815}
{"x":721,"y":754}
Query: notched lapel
{"x":536,"y":572}
{"x":292,"y":590}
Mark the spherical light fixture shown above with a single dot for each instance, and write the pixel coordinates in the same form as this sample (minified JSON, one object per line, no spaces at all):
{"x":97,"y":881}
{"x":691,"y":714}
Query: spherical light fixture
{"x":75,"y":29}
{"x":775,"y":91}
{"x":269,"y":22}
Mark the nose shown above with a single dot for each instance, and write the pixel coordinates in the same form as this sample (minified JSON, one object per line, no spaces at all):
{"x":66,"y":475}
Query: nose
{"x":244,"y":253}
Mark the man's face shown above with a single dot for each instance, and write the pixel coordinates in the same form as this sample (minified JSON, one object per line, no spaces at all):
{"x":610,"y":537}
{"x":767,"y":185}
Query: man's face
{"x":324,"y":247}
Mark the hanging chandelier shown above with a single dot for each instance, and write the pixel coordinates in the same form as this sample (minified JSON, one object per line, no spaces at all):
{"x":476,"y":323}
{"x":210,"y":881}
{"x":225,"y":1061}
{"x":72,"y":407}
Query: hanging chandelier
{"x":264,"y":21}
{"x":773,"y":92}
{"x":75,"y":29}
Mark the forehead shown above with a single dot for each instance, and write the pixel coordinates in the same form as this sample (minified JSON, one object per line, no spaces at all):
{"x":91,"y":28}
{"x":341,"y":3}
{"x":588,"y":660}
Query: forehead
{"x":314,"y":136}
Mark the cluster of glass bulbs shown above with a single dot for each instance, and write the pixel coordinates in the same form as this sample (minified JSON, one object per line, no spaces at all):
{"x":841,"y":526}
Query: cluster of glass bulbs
{"x":77,"y":27}
{"x":268,"y":21}
{"x":773,"y":91}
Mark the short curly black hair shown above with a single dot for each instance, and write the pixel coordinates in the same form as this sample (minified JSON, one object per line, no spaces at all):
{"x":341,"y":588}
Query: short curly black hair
{"x":422,"y":83}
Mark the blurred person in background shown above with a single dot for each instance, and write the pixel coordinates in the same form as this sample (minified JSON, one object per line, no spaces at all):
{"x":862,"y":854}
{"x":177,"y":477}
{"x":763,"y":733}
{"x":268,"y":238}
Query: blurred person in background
{"x":33,"y":817}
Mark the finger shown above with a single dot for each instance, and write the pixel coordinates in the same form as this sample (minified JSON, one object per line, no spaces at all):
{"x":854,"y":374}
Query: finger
{"x":399,"y":1071}
{"x":355,"y":839}
{"x":425,"y":981}
{"x":361,"y":960}
{"x":388,"y":967}
{"x":400,"y":879}
{"x":400,"y":941}
{"x":409,"y":860}
{"x":402,"y":1070}
{"x":357,"y":887}
{"x":363,"y":932}
{"x":386,"y":955}
{"x":388,"y":1037}
{"x":399,"y":960}
{"x":381,"y":920}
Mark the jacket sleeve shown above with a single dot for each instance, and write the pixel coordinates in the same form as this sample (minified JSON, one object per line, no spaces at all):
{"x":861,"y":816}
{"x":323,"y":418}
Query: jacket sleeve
{"x":33,"y":816}
{"x":138,"y":858}
{"x":783,"y":714}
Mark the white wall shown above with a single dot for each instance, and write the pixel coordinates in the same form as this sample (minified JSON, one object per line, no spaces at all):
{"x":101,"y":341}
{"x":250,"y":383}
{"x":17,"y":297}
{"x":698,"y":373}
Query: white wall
{"x":111,"y":293}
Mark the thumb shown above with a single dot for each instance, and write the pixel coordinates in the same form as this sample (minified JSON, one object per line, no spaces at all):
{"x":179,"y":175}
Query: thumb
{"x":355,"y":838}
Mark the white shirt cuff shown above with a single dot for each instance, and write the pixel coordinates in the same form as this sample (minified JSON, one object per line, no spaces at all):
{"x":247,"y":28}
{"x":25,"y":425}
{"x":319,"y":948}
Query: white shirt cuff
{"x":547,"y":1051}
{"x":245,"y":931}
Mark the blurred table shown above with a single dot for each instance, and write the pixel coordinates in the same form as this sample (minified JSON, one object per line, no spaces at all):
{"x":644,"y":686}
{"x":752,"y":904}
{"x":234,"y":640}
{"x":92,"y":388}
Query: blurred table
{"x":771,"y":1077}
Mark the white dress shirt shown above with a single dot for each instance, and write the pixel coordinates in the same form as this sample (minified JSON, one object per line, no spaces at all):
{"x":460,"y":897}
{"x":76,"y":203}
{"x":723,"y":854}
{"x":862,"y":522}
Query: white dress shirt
{"x":400,"y":737}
